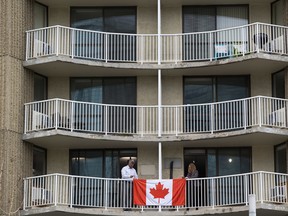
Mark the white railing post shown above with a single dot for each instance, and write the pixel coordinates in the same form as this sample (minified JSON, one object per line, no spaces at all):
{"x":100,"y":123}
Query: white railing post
{"x":71,"y":191}
{"x":73,"y":43}
{"x":57,"y":40}
{"x":259,"y":112}
{"x":142,"y":121}
{"x":261,"y":186}
{"x":56,"y":190}
{"x":252,"y":205}
{"x":211,"y":46}
{"x":176,"y":120}
{"x":106,"y":194}
{"x":72,"y":116}
{"x":25,"y":118}
{"x":28,"y":47}
{"x":25,"y":194}
{"x":246,"y":188}
{"x":106,"y":47}
{"x":213,"y":192}
{"x":176,"y":49}
{"x":245,"y":117}
{"x":56,"y":114}
{"x":257,"y":40}
{"x":106,"y":120}
{"x":243,"y":41}
{"x":141,"y":53}
{"x":212,"y":118}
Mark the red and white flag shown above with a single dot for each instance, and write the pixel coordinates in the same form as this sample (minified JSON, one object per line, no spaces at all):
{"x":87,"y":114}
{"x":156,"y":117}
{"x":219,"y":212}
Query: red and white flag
{"x":159,"y":192}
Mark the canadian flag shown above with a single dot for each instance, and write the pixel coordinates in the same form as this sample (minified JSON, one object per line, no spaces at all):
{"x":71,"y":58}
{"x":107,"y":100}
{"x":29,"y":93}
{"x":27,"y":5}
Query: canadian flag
{"x":159,"y":192}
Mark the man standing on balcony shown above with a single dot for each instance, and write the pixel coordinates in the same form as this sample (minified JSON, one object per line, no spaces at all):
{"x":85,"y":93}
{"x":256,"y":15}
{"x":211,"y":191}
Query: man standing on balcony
{"x":128,"y":173}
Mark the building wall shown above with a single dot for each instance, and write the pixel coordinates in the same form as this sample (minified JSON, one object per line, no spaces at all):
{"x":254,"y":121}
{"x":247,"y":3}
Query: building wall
{"x":58,"y":87}
{"x":258,"y":12}
{"x":59,"y":16}
{"x":58,"y":161}
{"x":16,"y":88}
{"x":262,"y":160}
{"x":260,"y":84}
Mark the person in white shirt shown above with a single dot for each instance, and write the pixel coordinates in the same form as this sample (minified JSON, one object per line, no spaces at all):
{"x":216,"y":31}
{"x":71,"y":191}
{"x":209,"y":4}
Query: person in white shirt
{"x":128,"y":171}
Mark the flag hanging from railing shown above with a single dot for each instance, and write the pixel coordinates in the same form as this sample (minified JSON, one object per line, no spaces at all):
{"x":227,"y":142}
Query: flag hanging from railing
{"x":159,"y":192}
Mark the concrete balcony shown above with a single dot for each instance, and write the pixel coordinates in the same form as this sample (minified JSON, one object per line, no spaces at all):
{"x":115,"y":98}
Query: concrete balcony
{"x":256,"y":118}
{"x":77,"y":49}
{"x":58,"y":194}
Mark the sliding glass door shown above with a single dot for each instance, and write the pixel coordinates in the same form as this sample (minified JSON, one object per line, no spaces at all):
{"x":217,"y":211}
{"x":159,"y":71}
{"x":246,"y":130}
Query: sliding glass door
{"x":200,"y":116}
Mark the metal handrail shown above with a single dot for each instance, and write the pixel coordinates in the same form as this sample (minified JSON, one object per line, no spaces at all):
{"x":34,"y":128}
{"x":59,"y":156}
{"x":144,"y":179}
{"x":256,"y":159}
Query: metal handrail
{"x":211,"y":192}
{"x":88,"y":117}
{"x":143,"y":48}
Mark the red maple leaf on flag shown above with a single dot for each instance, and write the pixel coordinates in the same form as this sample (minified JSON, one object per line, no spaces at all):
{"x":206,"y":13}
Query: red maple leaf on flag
{"x":159,"y":192}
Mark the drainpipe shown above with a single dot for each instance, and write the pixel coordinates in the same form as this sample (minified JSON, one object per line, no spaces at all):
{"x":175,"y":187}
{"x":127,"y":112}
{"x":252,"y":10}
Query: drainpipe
{"x":159,"y":94}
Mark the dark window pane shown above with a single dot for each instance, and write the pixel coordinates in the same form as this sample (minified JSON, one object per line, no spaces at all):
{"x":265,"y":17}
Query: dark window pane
{"x":86,"y":89}
{"x":87,"y":18}
{"x":278,"y":84}
{"x":234,"y":87}
{"x":120,"y":20}
{"x":40,"y":87}
{"x":198,"y":19}
{"x":99,"y":163}
{"x":39,"y":161}
{"x":198,"y":90}
{"x":281,"y":158}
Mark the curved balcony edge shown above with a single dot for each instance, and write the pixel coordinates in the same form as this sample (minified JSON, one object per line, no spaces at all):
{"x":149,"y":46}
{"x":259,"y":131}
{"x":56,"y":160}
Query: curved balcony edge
{"x":179,"y":121}
{"x":142,"y":49}
{"x":112,"y":193}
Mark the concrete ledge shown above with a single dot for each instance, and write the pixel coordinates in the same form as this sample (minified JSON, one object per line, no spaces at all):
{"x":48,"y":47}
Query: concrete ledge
{"x":262,"y":209}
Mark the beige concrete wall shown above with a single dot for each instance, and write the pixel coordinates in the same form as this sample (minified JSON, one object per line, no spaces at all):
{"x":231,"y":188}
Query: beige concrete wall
{"x":147,"y":92}
{"x":59,"y":16}
{"x":171,"y":19}
{"x":172,"y":152}
{"x":146,"y":20}
{"x":58,"y":161}
{"x":16,"y":88}
{"x":172,"y":90}
{"x":58,"y":87}
{"x":262,"y":160}
{"x":147,"y":158}
{"x":259,"y":12}
{"x":260,"y":84}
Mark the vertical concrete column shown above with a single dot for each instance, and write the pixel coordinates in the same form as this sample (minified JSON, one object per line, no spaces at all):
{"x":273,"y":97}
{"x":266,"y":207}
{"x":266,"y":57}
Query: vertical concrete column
{"x":16,"y":88}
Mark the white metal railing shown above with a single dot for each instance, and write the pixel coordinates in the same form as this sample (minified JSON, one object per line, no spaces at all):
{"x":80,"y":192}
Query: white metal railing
{"x":82,"y":191}
{"x":143,"y":120}
{"x":143,"y":48}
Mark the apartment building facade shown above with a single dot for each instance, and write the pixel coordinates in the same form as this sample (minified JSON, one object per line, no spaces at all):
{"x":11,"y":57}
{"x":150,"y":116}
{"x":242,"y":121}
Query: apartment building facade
{"x":87,"y":85}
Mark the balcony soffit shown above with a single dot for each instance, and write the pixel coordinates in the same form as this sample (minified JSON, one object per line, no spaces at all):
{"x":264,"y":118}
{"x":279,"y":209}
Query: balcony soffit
{"x":56,"y":3}
{"x":64,"y":139}
{"x":66,"y":67}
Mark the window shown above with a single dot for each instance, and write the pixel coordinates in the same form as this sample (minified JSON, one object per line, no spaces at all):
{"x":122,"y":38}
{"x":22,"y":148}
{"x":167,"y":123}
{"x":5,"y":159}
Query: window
{"x":278,"y":12}
{"x":116,"y":90}
{"x":278,"y":84}
{"x":219,"y":161}
{"x":208,"y":18}
{"x":100,"y":163}
{"x":40,"y":87}
{"x":105,"y":19}
{"x":199,"y":90}
{"x":39,"y":161}
{"x":40,"y":16}
{"x":281,"y":158}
